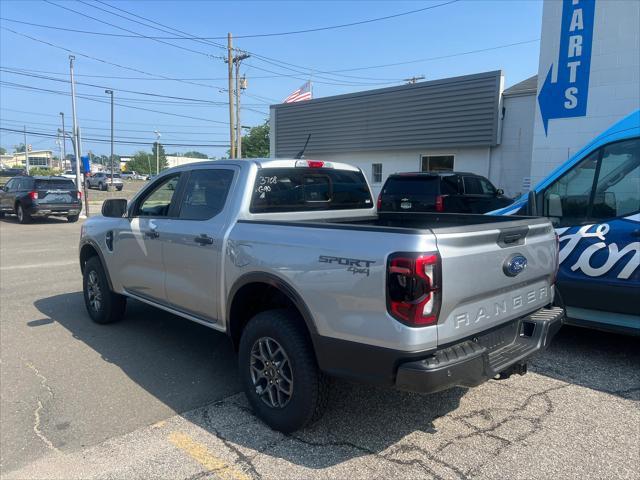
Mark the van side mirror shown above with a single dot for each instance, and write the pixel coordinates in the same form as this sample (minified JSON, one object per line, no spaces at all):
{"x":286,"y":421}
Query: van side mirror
{"x":499,"y":191}
{"x":554,"y":205}
{"x":114,"y":208}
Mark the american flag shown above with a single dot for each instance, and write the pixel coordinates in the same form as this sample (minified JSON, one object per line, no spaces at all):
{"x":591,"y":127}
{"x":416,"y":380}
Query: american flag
{"x":302,"y":93}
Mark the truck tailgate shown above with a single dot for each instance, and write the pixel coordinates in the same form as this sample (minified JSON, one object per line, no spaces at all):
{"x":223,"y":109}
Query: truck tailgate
{"x":479,"y":289}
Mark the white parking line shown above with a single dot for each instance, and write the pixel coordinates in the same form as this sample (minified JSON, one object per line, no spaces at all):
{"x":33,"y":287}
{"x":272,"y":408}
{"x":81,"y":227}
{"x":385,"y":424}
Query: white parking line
{"x":41,"y":264}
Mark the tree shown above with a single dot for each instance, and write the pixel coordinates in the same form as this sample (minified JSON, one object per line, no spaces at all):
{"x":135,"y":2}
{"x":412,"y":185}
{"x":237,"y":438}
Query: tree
{"x":256,"y":143}
{"x":3,"y":151}
{"x":194,"y":154}
{"x":19,"y":148}
{"x":145,"y":162}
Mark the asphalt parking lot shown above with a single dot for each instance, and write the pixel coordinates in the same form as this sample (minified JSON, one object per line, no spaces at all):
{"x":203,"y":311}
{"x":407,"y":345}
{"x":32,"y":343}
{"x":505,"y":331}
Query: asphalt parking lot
{"x":157,"y":397}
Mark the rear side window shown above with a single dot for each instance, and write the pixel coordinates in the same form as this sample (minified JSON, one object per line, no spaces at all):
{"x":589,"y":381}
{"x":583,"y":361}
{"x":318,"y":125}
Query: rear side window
{"x":299,"y":189}
{"x":205,"y":194}
{"x":412,"y":185}
{"x":57,"y":184}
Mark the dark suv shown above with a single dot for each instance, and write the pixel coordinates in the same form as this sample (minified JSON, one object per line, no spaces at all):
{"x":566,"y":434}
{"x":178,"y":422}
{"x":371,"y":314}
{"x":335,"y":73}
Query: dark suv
{"x":28,"y":197}
{"x":454,"y":192}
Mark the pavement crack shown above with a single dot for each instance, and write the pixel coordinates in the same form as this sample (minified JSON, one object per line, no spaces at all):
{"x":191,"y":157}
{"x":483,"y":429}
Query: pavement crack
{"x":37,"y":423}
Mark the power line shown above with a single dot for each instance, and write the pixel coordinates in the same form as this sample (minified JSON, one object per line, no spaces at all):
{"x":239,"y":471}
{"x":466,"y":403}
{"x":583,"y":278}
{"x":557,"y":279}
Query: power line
{"x":91,"y":57}
{"x":84,"y":119}
{"x":183,"y":99}
{"x":136,"y":34}
{"x":192,"y":37}
{"x":28,"y":87}
{"x":254,"y":35}
{"x":100,"y":140}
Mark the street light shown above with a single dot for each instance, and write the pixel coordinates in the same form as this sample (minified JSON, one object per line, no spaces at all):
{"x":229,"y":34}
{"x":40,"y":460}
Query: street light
{"x":158,"y":135}
{"x":110,"y":92}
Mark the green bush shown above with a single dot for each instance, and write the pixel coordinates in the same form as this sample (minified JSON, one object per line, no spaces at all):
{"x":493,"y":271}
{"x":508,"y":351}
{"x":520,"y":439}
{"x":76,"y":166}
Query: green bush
{"x":44,"y":171}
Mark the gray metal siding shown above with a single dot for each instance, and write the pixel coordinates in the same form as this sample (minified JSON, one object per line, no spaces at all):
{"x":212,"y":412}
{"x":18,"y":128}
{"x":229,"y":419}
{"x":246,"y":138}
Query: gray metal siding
{"x":453,"y":112}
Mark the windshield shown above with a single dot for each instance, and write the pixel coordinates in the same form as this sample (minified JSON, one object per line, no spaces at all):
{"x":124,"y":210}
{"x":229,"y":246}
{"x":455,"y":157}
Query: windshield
{"x":57,"y":183}
{"x":412,"y":185}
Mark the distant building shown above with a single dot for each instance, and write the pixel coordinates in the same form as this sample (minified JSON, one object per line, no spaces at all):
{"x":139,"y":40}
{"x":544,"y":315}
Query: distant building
{"x":176,"y":160}
{"x":37,"y":158}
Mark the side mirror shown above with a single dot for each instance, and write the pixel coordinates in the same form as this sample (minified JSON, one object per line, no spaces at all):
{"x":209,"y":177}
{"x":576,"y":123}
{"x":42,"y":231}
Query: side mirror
{"x":114,"y":207}
{"x":554,"y":205}
{"x":532,"y":204}
{"x":499,"y":191}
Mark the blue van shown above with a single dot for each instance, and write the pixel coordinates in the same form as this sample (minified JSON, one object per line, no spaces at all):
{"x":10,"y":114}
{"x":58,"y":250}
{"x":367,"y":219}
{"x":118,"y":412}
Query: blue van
{"x":593,"y":200}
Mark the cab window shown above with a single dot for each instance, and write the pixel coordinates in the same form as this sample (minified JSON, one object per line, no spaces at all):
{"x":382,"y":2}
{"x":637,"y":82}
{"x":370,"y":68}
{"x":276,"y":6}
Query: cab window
{"x":157,"y":202}
{"x":205,"y":193}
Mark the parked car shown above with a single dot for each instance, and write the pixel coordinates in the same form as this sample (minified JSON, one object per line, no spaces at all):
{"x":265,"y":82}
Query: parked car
{"x":290,"y":260}
{"x":132,"y":176}
{"x":101,"y":181}
{"x":70,"y":174}
{"x":11,"y":172}
{"x":452,"y":192}
{"x":29,"y":197}
{"x":593,"y":200}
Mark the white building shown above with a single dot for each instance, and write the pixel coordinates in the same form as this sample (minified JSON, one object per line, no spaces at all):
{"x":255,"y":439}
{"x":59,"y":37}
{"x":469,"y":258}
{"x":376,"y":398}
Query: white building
{"x":178,"y":160}
{"x":471,"y":123}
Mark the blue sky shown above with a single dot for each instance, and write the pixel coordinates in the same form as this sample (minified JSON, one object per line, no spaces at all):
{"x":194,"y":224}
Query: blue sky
{"x":447,"y":30}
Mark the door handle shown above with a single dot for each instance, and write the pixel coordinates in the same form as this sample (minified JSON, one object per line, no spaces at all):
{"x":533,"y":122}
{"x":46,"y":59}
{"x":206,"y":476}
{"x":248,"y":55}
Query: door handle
{"x":151,"y":234}
{"x":203,"y":239}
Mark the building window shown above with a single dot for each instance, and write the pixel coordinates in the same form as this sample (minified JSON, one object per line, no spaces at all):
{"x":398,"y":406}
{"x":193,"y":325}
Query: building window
{"x":376,"y":172}
{"x":437,"y":163}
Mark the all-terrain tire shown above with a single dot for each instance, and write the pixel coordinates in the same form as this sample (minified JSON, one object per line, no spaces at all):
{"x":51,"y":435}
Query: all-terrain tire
{"x":110,"y":306}
{"x":310,"y":387}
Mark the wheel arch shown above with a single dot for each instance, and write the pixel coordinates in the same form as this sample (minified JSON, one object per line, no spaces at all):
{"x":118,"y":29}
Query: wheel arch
{"x":90,"y":249}
{"x":256,"y":292}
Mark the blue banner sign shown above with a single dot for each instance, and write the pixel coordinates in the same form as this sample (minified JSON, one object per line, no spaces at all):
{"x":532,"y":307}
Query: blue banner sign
{"x":567,"y":95}
{"x":86,"y":166}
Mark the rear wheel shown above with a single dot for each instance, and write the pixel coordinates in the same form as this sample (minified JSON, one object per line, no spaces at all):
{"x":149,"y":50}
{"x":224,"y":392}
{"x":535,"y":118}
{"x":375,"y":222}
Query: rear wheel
{"x":103,"y":305}
{"x":102,"y":186}
{"x":279,"y":373}
{"x":23,"y":216}
{"x":119,"y":189}
{"x":1,"y":214}
{"x":73,"y":218}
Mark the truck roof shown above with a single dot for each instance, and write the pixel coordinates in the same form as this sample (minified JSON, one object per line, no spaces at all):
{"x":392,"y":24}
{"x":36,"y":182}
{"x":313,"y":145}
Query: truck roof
{"x":269,"y":163}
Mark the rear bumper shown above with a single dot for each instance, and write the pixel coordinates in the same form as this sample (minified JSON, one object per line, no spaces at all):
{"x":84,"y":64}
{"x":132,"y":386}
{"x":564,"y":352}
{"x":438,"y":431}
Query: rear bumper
{"x":54,"y":209}
{"x":472,"y":362}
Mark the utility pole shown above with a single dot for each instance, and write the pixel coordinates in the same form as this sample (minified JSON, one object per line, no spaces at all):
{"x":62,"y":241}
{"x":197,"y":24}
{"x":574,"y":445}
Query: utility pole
{"x":157,"y":151}
{"x":414,"y":79}
{"x":239,"y":86}
{"x":76,"y":131}
{"x":232,"y":149}
{"x":64,"y":143}
{"x":84,"y":184}
{"x":26,"y":151}
{"x":110,"y":92}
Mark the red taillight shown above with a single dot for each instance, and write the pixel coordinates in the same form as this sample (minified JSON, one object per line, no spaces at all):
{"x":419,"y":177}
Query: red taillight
{"x":315,"y":164}
{"x":33,"y":195}
{"x":379,"y":202}
{"x":413,"y":288}
{"x":439,"y":203}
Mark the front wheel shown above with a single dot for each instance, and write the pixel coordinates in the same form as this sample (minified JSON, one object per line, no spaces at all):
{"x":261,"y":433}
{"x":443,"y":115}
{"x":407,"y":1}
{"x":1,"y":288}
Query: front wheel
{"x":279,"y":373}
{"x":103,"y":305}
{"x":102,"y":186}
{"x":73,"y":218}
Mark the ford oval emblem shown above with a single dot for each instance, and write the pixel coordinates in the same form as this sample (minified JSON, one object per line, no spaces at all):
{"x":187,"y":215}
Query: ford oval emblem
{"x":514,"y":265}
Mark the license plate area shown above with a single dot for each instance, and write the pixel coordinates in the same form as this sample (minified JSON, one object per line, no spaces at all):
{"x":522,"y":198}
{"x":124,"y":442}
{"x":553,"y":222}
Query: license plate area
{"x":405,"y":205}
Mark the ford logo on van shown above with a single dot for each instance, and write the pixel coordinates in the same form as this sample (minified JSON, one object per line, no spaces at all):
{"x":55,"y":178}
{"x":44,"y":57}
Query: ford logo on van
{"x":514,"y":265}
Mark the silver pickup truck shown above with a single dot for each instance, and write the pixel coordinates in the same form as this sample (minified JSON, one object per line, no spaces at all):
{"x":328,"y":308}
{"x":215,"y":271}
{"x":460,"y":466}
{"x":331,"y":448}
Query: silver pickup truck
{"x":290,"y":259}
